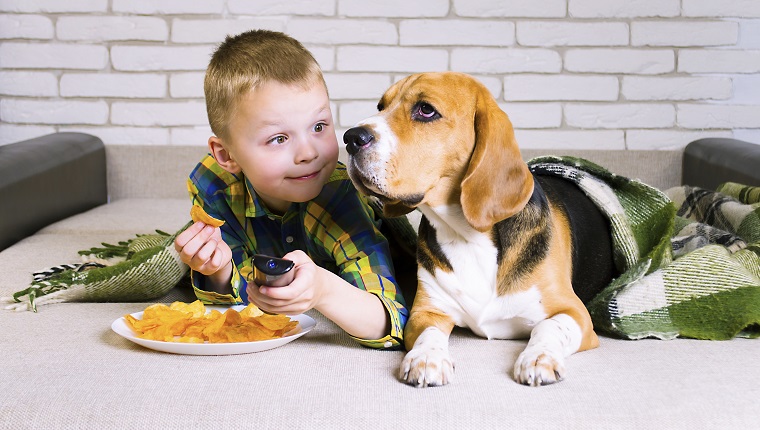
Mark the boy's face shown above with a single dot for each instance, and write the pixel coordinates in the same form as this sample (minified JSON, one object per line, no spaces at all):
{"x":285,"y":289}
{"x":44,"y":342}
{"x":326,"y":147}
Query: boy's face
{"x":283,"y":139}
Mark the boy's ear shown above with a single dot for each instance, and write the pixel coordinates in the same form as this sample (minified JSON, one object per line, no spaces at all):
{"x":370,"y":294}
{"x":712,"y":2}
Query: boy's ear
{"x":222,"y":155}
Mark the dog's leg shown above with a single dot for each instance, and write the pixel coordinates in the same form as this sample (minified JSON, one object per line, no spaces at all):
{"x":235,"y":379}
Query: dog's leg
{"x":426,"y":336}
{"x":551,"y":340}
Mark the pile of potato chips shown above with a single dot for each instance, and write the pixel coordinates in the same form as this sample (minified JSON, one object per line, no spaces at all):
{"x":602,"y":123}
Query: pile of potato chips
{"x":189,"y":322}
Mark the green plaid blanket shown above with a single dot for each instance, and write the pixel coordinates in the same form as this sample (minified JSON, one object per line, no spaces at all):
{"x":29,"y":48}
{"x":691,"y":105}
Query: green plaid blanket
{"x":689,"y":258}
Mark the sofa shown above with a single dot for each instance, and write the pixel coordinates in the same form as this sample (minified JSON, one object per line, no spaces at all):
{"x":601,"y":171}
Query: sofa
{"x":63,"y":366}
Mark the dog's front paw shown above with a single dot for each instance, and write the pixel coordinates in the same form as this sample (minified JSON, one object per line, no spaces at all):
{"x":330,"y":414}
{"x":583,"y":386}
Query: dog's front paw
{"x":427,"y":367}
{"x":539,"y":367}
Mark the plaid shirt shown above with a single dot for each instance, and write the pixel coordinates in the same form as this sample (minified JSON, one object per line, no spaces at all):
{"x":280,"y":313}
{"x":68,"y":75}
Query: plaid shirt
{"x":337,"y":230}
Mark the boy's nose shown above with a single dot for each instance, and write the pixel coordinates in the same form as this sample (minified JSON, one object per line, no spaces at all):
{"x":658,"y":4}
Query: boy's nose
{"x":356,"y":138}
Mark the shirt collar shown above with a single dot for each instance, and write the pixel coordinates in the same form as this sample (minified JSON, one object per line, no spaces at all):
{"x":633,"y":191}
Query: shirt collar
{"x":253,"y":206}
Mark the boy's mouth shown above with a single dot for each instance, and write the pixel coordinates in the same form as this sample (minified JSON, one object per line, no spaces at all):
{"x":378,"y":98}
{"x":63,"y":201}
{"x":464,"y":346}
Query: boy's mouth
{"x":311,"y":175}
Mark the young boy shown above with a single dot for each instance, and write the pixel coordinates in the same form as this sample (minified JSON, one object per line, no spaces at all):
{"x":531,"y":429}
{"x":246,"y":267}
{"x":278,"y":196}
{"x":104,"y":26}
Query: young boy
{"x":273,"y":176}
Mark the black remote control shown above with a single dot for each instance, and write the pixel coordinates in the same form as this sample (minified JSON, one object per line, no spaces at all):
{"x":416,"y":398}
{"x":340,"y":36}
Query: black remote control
{"x":269,"y":270}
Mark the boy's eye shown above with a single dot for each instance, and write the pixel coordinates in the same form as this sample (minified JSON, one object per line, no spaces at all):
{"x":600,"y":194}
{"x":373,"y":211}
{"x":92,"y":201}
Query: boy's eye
{"x":319,"y":127}
{"x":278,"y":140}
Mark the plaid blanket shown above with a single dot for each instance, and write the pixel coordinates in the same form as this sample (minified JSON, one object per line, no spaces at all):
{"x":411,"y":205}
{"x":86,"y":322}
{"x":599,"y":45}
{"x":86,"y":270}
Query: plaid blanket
{"x":689,"y":258}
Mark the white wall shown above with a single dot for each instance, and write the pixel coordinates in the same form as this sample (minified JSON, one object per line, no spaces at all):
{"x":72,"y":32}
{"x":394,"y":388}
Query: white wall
{"x":634,"y":74}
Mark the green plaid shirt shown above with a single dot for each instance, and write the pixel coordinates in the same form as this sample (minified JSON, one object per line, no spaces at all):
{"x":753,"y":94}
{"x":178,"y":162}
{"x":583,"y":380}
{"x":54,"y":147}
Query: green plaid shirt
{"x":337,"y":229}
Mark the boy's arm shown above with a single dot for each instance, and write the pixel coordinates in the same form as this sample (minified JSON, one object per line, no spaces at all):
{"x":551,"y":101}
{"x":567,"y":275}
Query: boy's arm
{"x":207,"y":288}
{"x":363,"y":258}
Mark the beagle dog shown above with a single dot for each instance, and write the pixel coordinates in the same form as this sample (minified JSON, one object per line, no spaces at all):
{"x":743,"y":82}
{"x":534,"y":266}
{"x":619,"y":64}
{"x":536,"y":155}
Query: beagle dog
{"x":501,"y":251}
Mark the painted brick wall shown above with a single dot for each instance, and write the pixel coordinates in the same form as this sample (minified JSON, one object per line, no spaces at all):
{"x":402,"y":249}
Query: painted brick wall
{"x":601,"y":74}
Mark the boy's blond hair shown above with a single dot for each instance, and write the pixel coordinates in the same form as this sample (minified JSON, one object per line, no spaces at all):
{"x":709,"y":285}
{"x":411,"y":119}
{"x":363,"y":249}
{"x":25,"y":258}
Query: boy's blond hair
{"x":243,"y":62}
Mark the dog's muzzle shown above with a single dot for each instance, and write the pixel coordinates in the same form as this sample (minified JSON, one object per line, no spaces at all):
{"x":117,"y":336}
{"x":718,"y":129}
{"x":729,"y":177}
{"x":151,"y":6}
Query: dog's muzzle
{"x":357,"y":138}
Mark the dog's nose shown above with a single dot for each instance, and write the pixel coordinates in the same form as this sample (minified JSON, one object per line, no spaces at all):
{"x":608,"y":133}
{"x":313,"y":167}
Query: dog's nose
{"x":357,"y":137}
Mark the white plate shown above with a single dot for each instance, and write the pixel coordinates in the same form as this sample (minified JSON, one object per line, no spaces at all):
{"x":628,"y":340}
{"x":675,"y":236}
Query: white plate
{"x":305,"y":324}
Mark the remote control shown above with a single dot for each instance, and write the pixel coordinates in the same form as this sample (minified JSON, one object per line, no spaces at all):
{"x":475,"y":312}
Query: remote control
{"x":271,"y":271}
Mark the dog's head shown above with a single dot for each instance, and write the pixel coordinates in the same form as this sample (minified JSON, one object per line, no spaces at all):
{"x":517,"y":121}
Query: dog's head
{"x":440,"y":139}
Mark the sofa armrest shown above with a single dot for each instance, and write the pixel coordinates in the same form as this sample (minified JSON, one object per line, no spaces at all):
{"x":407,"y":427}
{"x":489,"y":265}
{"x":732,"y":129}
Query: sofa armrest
{"x":46,"y":179}
{"x":710,"y":162}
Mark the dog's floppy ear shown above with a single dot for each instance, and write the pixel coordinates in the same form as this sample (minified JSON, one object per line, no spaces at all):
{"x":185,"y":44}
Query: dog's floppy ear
{"x":498,"y":183}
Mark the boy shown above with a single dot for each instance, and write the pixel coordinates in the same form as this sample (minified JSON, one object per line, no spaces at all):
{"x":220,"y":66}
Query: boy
{"x":273,"y":176}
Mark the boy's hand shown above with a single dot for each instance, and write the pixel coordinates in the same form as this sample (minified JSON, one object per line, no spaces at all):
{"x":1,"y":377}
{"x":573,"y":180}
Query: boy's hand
{"x":302,"y":294}
{"x":201,"y":247}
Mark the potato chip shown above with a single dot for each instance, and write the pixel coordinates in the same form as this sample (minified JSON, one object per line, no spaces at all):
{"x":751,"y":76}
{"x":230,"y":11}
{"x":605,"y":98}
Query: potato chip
{"x":198,"y":214}
{"x":189,"y":322}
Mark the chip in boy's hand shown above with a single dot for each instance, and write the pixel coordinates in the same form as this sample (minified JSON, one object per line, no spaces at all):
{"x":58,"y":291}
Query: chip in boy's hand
{"x":198,"y":214}
{"x":189,"y":322}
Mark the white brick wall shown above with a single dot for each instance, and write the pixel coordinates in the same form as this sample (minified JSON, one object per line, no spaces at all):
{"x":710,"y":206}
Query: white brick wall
{"x":595,"y":74}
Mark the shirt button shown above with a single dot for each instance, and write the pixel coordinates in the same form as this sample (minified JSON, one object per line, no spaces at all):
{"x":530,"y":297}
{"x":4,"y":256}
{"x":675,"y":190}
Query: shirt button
{"x":289,"y":239}
{"x":388,"y":344}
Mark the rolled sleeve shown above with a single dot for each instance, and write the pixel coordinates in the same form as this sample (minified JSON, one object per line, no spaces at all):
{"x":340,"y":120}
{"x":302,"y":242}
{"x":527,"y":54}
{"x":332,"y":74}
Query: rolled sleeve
{"x":396,"y":311}
{"x":212,"y":297}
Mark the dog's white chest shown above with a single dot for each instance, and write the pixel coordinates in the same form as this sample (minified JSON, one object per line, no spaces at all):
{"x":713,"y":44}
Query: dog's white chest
{"x":468,"y":293}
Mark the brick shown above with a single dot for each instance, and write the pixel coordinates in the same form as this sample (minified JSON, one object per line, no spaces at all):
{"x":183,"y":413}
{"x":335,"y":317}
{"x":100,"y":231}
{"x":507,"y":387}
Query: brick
{"x":352,"y":112}
{"x":53,"y":111}
{"x":12,"y":133}
{"x":279,"y":7}
{"x":623,"y":8}
{"x":168,"y":7}
{"x":356,"y":86}
{"x":394,"y":8}
{"x":216,"y":30}
{"x":659,"y":33}
{"x":635,"y":61}
{"x":53,"y":6}
{"x":718,"y":61}
{"x":125,"y":135}
{"x":159,"y":113}
{"x":712,"y":8}
{"x":344,"y":31}
{"x":325,"y":57}
{"x":511,"y":8}
{"x":566,"y":87}
{"x":391,"y":59}
{"x":128,"y":85}
{"x":639,"y":115}
{"x":666,"y":139}
{"x":25,"y":27}
{"x":746,"y":89}
{"x":570,"y":139}
{"x":52,"y":56}
{"x":751,"y":135}
{"x":533,"y":115}
{"x":150,"y":58}
{"x":192,"y":136}
{"x":186,"y":85}
{"x":30,"y":84}
{"x":104,"y":28}
{"x":749,"y":34}
{"x":505,"y":60}
{"x":718,"y":116}
{"x":456,"y":32}
{"x":676,"y":88}
{"x":552,"y":33}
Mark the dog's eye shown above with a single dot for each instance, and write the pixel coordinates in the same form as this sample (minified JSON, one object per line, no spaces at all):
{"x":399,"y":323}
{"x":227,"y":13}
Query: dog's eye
{"x":380,"y":106}
{"x":425,"y":112}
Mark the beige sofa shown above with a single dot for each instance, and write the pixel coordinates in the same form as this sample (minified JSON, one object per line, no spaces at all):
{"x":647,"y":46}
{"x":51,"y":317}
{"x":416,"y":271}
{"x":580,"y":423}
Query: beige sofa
{"x":64,"y":367}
